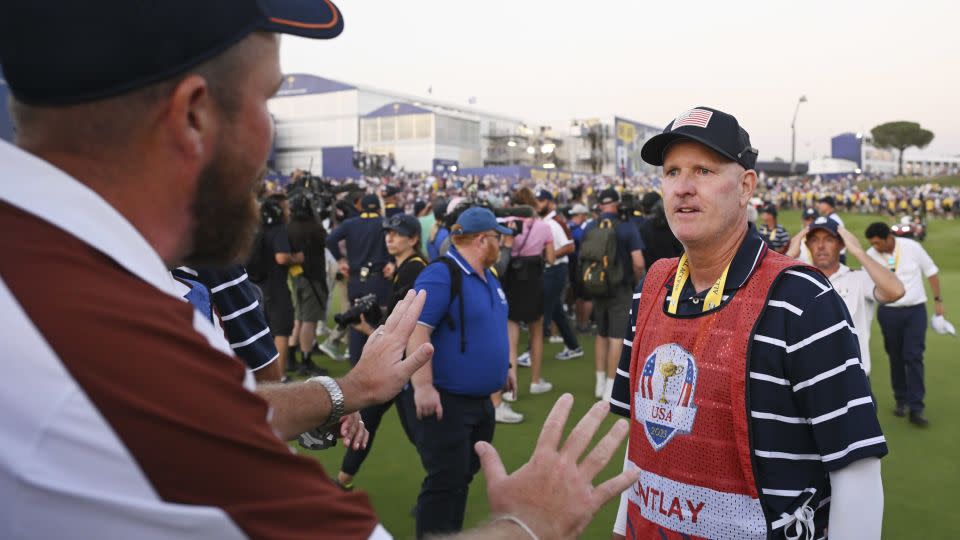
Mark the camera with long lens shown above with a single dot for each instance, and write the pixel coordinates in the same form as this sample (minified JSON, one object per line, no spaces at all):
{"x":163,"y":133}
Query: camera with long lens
{"x":510,"y":211}
{"x":366,"y":306}
{"x":312,"y":196}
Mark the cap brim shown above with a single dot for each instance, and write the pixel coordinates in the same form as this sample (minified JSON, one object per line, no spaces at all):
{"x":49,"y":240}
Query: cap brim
{"x":503,"y":230}
{"x":824,"y":228}
{"x":317,"y":19}
{"x":653,"y":150}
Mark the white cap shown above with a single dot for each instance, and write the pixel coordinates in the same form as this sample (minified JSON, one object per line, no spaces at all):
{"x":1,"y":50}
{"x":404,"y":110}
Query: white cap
{"x":579,"y":209}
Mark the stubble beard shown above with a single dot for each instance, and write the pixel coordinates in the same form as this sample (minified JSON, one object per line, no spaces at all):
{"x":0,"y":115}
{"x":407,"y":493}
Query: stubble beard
{"x":225,"y":215}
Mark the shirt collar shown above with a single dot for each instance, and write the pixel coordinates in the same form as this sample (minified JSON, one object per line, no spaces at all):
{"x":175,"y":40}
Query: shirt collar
{"x":458,"y":258}
{"x":42,"y":190}
{"x":745,"y":262}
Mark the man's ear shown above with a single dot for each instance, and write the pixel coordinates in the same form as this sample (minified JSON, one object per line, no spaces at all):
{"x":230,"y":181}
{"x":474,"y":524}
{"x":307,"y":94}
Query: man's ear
{"x":748,"y":184}
{"x":191,"y":118}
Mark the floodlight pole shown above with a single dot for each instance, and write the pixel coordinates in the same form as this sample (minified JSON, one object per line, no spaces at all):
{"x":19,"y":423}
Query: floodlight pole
{"x":793,"y":132}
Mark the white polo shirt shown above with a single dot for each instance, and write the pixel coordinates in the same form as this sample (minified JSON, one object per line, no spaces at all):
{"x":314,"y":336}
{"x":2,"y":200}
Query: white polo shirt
{"x":856,"y":287}
{"x":560,"y":239}
{"x":912,"y":264}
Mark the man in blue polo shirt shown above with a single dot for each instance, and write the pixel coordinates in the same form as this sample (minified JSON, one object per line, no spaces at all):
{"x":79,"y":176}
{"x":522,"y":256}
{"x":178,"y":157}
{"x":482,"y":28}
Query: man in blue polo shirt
{"x":470,"y":362}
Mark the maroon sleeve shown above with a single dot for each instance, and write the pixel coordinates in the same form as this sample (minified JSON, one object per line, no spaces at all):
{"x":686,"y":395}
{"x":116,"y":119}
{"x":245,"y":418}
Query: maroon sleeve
{"x":177,"y":404}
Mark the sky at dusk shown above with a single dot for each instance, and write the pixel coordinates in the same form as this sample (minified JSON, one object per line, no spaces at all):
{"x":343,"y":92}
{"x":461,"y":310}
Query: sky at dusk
{"x":858,"y":63}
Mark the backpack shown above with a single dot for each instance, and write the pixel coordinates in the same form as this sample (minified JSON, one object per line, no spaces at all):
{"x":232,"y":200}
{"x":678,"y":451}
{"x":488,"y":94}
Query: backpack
{"x":601,"y":272}
{"x":456,"y":287}
{"x":257,"y":265}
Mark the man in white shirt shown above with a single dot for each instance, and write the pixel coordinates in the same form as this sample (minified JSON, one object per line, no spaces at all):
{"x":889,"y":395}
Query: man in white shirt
{"x":904,"y":322}
{"x":860,"y":289}
{"x":827,"y":207}
{"x":555,"y":276}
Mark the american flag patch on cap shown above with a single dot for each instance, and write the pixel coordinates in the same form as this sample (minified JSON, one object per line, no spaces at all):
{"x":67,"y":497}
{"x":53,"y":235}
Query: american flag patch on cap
{"x":694,"y":117}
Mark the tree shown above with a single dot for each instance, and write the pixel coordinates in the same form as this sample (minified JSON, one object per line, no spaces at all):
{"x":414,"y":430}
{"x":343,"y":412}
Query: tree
{"x":900,"y":135}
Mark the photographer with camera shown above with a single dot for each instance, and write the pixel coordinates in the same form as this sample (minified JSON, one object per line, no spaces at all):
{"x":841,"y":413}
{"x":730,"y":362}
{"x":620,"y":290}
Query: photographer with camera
{"x":364,"y":262}
{"x":308,"y":282}
{"x":403,"y":243}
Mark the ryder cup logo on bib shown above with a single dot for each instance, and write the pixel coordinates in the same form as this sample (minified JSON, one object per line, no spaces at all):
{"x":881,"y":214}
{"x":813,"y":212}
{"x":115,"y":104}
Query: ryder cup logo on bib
{"x":663,"y":403}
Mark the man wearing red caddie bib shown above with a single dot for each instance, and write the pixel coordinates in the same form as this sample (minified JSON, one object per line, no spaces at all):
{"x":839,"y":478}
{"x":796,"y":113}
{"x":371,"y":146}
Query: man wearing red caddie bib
{"x":751,"y":416}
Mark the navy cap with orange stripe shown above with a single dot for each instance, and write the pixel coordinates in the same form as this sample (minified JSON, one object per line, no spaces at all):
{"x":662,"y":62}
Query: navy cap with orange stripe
{"x":62,"y":52}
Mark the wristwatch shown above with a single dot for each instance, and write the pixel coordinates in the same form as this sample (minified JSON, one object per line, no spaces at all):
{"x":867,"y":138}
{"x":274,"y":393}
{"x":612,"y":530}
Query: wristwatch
{"x":937,"y":299}
{"x":336,"y":398}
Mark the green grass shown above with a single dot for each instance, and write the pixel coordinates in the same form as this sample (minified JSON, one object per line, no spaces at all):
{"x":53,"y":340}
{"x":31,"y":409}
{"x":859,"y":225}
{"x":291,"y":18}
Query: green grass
{"x":920,"y":475}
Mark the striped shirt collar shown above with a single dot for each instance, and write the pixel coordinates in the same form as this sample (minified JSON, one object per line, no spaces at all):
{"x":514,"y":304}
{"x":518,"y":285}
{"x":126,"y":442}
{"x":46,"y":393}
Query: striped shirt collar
{"x":745,"y":262}
{"x":458,"y":258}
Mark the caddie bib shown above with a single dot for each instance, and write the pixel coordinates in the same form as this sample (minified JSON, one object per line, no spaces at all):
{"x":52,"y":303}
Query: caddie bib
{"x":689,"y":432}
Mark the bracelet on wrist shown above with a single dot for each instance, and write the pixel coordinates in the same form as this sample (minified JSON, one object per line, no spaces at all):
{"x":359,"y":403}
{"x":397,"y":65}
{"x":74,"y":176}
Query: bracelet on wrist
{"x":938,"y":299}
{"x":519,"y":523}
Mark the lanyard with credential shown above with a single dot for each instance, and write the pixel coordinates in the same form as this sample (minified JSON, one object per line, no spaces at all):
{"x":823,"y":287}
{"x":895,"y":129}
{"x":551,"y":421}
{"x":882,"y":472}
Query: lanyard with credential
{"x":714,"y":295}
{"x":894,"y":260}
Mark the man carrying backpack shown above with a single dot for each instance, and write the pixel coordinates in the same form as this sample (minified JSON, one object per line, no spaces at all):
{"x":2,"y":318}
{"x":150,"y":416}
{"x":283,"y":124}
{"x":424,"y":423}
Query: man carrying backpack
{"x":611,"y":262}
{"x":465,"y":317}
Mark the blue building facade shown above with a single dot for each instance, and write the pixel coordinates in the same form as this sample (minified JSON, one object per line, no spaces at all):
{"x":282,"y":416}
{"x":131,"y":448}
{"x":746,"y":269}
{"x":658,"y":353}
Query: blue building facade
{"x":848,"y":146}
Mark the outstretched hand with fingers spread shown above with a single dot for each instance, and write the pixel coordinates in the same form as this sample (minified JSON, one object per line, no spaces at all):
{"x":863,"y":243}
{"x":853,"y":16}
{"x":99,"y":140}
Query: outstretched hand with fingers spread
{"x":382,"y":370}
{"x":553,"y":492}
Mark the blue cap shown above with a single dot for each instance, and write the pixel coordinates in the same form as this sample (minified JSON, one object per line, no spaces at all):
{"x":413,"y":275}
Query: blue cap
{"x":62,"y":52}
{"x":826,"y":224}
{"x":810,"y":213}
{"x":478,"y":219}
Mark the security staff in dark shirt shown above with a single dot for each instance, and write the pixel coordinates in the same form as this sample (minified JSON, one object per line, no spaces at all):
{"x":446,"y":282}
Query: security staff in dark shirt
{"x":390,"y":205}
{"x":364,"y":262}
{"x":403,"y":243}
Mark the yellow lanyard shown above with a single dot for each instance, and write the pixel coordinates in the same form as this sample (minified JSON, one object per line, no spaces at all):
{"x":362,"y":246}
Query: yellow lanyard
{"x":773,"y":233}
{"x":714,"y":295}
{"x":894,"y":260}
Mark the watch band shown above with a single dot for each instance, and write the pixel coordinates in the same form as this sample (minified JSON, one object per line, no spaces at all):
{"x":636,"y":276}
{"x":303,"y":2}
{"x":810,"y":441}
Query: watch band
{"x":336,"y":398}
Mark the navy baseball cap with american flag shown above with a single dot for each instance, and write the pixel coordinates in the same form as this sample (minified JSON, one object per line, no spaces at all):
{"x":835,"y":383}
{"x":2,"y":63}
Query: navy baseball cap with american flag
{"x":62,"y":52}
{"x":715,"y":129}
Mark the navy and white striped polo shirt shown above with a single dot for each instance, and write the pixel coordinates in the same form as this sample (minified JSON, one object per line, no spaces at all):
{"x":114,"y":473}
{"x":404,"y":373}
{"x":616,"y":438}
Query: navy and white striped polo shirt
{"x":809,"y":399}
{"x":240,"y":311}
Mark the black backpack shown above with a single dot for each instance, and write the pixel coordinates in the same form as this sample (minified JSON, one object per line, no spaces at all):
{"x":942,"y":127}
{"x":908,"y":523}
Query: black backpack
{"x":456,"y":288}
